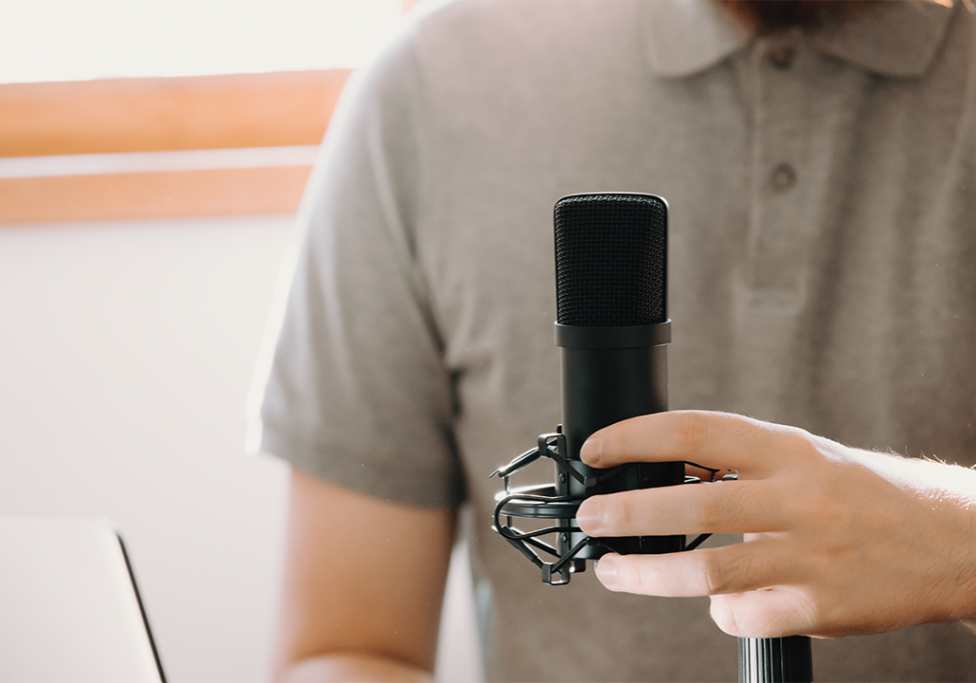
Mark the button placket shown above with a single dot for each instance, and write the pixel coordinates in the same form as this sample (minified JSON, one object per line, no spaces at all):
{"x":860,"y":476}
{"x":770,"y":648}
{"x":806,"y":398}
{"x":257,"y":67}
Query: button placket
{"x":776,"y":264}
{"x":802,"y":126}
{"x":771,"y":293}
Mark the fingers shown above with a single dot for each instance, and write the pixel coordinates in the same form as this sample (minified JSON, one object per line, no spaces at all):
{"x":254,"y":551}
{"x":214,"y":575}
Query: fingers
{"x":754,"y":587}
{"x":767,"y":613}
{"x":716,"y":440}
{"x":723,"y":508}
{"x":714,"y":571}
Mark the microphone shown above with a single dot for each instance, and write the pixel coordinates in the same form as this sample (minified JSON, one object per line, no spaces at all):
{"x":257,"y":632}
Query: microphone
{"x":612,"y":325}
{"x":612,"y":328}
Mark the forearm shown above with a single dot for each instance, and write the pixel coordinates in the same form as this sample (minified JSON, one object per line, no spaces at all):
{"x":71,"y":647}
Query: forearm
{"x":352,"y":668}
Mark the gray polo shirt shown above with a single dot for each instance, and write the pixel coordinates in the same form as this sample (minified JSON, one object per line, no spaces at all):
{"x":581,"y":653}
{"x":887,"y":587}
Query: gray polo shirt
{"x":822,"y":187}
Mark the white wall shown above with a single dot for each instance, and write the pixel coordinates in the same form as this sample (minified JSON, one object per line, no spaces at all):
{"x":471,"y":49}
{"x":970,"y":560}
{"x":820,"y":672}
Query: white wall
{"x":66,"y":40}
{"x":126,"y":352}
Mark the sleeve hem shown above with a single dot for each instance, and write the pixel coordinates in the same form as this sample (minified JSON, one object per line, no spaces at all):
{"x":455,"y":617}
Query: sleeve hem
{"x":341,"y":466}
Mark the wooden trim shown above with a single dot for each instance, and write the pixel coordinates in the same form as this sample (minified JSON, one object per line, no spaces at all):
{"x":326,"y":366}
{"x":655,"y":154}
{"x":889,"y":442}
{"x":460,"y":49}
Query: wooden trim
{"x":234,"y":191}
{"x":157,"y":114}
{"x":162,"y":114}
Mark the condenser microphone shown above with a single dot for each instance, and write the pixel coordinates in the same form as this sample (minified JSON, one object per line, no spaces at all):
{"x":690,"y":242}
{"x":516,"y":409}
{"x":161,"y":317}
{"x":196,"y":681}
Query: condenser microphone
{"x":612,"y":328}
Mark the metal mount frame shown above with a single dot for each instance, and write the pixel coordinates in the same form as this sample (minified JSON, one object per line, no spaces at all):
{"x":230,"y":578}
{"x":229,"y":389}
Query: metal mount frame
{"x":543,"y":502}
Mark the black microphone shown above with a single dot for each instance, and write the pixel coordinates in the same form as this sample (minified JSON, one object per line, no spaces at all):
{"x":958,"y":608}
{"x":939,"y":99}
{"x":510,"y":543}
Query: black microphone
{"x":612,"y":328}
{"x":612,"y":325}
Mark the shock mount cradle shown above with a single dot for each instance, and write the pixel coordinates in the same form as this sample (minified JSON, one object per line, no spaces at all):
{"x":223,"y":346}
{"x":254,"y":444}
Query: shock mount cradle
{"x":546,"y":502}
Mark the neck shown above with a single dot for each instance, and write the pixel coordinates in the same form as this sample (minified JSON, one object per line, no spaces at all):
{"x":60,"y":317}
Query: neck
{"x":767,"y":16}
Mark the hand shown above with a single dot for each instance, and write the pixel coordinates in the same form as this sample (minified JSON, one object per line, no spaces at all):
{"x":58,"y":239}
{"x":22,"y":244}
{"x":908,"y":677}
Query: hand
{"x":838,"y":541}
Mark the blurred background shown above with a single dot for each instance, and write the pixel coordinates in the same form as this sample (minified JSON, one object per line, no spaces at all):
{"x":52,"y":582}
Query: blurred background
{"x":152,"y":156}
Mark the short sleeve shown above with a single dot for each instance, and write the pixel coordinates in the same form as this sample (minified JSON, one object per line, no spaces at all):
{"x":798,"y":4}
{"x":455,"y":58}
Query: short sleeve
{"x":355,"y":390}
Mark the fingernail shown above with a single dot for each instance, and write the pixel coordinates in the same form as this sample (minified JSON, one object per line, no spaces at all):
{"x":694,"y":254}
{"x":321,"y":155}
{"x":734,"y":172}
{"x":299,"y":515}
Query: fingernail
{"x":592,"y":449}
{"x":606,"y":571}
{"x":588,"y":516}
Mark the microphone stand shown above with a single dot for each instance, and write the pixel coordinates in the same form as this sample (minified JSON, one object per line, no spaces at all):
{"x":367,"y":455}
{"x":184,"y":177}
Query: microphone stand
{"x":775,"y":660}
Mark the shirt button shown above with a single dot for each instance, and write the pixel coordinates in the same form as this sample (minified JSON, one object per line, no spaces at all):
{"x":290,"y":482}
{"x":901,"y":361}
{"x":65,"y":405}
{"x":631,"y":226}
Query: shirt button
{"x":782,"y":56}
{"x":782,"y":178}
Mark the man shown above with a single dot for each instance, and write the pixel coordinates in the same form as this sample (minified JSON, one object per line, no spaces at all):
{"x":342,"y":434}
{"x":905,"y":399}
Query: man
{"x":818,"y":159}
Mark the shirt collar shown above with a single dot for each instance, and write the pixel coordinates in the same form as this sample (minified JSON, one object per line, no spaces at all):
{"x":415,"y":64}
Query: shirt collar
{"x":897,"y":39}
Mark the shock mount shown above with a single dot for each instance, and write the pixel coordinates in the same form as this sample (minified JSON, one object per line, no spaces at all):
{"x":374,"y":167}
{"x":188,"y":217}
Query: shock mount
{"x":556,"y":505}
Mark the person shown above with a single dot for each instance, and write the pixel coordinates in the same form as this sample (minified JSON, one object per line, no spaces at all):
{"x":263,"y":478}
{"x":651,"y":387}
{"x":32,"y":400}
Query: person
{"x":819,"y":160}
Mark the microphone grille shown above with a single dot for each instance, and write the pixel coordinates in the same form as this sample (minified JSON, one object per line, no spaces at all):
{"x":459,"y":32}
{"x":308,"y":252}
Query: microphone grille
{"x":611,"y":260}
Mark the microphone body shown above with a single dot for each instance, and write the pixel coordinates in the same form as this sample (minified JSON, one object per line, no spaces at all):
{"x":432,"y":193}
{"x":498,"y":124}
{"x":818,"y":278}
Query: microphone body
{"x":612,"y":330}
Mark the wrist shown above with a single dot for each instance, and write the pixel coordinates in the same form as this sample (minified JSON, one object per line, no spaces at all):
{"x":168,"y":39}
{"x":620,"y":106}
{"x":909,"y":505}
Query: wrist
{"x":947,"y":501}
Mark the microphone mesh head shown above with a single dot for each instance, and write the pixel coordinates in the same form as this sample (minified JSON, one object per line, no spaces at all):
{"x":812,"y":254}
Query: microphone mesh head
{"x":611,"y":260}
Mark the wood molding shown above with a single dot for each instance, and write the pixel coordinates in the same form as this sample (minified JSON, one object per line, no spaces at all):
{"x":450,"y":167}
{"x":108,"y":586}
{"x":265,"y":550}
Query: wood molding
{"x":162,"y":114}
{"x":232,"y":191}
{"x":159,"y":114}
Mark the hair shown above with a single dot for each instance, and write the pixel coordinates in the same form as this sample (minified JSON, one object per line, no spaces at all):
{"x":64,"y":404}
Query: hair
{"x":766,"y":16}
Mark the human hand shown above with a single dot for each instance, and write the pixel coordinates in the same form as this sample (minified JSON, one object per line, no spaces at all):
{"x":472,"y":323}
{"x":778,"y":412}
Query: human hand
{"x":838,"y":541}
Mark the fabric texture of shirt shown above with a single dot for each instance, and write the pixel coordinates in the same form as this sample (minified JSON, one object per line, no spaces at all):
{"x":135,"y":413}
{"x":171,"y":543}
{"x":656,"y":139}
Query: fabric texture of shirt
{"x":822,"y":191}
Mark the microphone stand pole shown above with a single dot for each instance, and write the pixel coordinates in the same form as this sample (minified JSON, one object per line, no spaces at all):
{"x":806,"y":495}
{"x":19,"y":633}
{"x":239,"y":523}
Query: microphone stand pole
{"x":775,"y":660}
